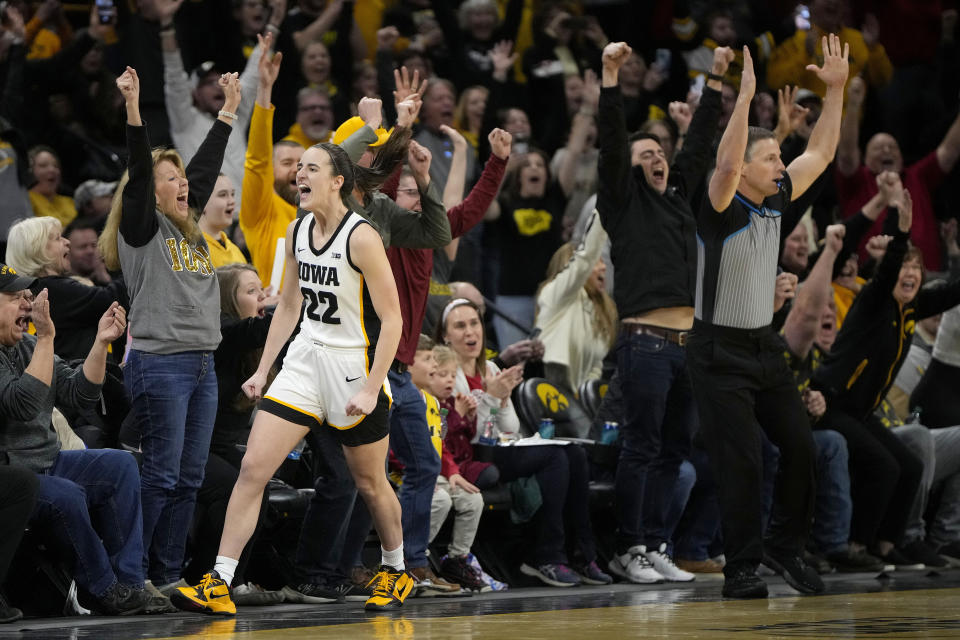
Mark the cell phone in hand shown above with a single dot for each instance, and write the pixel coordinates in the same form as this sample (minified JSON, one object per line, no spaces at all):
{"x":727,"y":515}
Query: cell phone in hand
{"x":105,"y":10}
{"x":663,"y":59}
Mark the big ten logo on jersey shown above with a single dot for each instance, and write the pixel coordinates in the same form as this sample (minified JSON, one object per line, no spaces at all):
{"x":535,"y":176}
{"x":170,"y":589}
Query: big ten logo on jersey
{"x":323,"y":276}
{"x":183,"y":257}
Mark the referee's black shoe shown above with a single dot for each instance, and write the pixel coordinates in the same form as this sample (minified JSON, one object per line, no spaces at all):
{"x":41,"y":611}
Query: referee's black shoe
{"x":743,"y":582}
{"x":795,"y":571}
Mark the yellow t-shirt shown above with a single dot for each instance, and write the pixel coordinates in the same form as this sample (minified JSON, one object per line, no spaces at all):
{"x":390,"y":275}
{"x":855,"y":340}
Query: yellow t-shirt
{"x":223,"y":251}
{"x":60,"y":207}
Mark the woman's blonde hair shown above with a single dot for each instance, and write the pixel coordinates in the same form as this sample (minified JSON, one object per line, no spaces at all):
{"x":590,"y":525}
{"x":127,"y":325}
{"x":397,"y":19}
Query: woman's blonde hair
{"x":110,"y":236}
{"x":604,"y":309}
{"x":442,"y":354}
{"x":27,"y":246}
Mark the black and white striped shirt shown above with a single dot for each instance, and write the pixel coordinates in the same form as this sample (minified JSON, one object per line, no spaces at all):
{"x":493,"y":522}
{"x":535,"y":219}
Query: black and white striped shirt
{"x":737,"y":254}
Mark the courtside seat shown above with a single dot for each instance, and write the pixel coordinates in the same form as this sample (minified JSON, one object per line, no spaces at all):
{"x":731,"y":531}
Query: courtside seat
{"x":591,"y":394}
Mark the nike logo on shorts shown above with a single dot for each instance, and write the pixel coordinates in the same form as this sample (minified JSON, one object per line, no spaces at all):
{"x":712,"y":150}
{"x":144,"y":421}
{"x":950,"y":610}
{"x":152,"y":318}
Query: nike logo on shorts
{"x":352,"y":379}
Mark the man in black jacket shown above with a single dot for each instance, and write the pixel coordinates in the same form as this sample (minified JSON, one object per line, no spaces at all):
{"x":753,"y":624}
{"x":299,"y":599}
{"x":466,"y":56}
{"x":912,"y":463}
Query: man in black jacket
{"x":644,"y":205}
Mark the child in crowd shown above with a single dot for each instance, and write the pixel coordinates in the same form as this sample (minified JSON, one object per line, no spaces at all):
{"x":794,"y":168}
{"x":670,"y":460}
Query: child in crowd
{"x":452,"y":490}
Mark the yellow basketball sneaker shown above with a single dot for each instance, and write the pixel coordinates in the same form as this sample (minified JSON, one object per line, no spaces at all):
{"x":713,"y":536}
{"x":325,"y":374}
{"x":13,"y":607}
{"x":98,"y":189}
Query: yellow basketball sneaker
{"x":211,"y":596}
{"x":390,"y":589}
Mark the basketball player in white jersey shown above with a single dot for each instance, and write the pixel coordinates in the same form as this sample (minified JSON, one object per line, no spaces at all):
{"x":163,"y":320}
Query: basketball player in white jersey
{"x":333,"y":376}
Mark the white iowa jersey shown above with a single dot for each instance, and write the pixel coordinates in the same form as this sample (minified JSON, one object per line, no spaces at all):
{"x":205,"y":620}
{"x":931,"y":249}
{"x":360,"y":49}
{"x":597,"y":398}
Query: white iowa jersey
{"x":337,"y":307}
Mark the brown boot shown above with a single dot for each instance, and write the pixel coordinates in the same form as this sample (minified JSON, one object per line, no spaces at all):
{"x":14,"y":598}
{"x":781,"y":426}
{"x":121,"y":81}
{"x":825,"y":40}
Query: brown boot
{"x":430,"y":584}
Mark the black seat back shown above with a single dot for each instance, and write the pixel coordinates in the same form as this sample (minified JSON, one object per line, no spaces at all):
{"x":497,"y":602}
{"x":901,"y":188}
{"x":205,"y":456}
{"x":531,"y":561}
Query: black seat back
{"x":591,"y":394}
{"x":536,"y":398}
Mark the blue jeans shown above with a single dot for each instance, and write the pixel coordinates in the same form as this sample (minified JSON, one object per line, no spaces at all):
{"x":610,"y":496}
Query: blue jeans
{"x":174,"y":403}
{"x":698,"y":533}
{"x":336,"y":523}
{"x":89,"y":502}
{"x":659,"y":422}
{"x":410,"y":441}
{"x":686,"y":478}
{"x":833,"y":508}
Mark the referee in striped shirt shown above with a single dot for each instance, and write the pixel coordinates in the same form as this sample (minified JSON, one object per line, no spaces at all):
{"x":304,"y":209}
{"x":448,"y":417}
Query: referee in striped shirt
{"x":742,"y":384}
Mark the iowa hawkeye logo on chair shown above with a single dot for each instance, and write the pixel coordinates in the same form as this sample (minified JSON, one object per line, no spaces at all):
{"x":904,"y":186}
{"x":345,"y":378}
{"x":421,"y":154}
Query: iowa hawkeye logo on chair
{"x":551,"y":398}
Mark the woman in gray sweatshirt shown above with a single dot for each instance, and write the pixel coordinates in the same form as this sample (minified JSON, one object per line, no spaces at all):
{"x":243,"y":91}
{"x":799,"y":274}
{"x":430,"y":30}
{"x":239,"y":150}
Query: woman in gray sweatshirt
{"x":152,"y":235}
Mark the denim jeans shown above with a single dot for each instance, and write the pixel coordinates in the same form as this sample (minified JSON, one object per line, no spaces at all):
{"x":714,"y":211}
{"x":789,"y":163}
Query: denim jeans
{"x":174,"y":402}
{"x":698,"y":532}
{"x":89,"y":503}
{"x":939,"y":449}
{"x":833,"y":508}
{"x":659,"y":422}
{"x":410,"y":441}
{"x":686,"y":478}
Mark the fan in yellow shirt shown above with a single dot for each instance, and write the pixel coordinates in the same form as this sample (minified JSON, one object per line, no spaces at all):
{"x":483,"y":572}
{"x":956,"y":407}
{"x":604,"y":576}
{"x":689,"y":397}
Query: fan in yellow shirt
{"x":216,"y":218}
{"x":45,"y":168}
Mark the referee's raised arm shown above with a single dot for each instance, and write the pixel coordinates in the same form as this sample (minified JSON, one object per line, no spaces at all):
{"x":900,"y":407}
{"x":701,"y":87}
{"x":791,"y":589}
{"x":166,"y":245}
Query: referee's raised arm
{"x":733,"y":144}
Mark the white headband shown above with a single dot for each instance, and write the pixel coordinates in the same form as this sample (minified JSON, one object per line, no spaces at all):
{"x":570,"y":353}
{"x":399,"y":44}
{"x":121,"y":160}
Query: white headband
{"x":453,"y":304}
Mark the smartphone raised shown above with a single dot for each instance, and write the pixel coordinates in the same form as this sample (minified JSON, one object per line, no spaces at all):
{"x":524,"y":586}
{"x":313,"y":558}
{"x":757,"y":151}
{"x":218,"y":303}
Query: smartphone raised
{"x":105,"y":10}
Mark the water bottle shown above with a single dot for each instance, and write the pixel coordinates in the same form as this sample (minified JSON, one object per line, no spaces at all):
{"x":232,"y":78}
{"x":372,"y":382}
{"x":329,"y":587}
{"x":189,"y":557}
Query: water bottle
{"x":489,"y":433}
{"x":547,"y":428}
{"x":610,"y":433}
{"x":297,"y":450}
{"x":443,"y":422}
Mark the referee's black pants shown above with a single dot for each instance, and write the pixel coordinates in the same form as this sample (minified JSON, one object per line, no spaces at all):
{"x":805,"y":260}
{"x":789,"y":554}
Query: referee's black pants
{"x":742,"y":386}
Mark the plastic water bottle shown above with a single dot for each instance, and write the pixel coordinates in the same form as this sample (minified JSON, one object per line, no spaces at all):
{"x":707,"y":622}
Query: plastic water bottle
{"x":489,"y":433}
{"x":443,"y":422}
{"x":610,"y":433}
{"x":297,"y":450}
{"x":547,"y":428}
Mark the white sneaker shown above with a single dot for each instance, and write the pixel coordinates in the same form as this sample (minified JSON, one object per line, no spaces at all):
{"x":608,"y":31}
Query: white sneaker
{"x":634,"y":566}
{"x":664,"y":565}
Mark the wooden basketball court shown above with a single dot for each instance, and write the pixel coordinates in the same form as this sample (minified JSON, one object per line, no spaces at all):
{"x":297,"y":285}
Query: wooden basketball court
{"x":903,"y":605}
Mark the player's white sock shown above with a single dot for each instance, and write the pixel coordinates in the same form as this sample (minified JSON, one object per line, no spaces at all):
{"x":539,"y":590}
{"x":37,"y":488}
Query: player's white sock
{"x":393,"y":558}
{"x":226,"y":567}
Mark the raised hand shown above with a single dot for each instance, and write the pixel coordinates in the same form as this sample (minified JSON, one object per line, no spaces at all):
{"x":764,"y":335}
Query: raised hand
{"x":591,"y":90}
{"x":835,"y":67}
{"x":870,"y":29}
{"x":877,"y":246}
{"x":387,"y":37}
{"x":407,"y":110}
{"x":370,"y":111}
{"x":268,"y":68}
{"x":502,"y":58}
{"x":15,"y":22}
{"x":722,"y":57}
{"x":40,"y":316}
{"x":129,"y":85}
{"x":419,"y":157}
{"x":456,"y":138}
{"x":856,"y":92}
{"x":278,"y":11}
{"x":112,"y":324}
{"x":790,"y":115}
{"x":948,"y":231}
{"x":786,"y":289}
{"x":891,"y":188}
{"x":748,"y":81}
{"x":834,"y":237}
{"x":614,"y":55}
{"x":407,"y":87}
{"x":500,"y":143}
{"x":681,"y":113}
{"x":906,"y":212}
{"x":230,"y":83}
